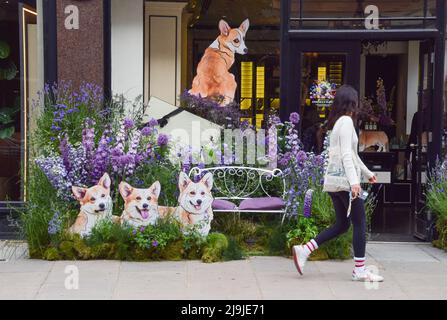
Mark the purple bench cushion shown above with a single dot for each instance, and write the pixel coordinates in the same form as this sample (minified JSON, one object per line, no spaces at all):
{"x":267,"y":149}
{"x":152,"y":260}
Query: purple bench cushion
{"x":220,"y":204}
{"x":267,"y":203}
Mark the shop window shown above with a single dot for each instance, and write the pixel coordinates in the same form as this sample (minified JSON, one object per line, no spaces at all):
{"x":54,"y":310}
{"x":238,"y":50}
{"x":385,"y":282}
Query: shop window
{"x":19,"y":83}
{"x":322,"y":74}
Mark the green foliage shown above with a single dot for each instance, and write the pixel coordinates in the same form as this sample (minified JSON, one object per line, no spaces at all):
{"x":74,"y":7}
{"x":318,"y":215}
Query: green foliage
{"x":305,"y":230}
{"x":5,"y":50}
{"x":234,"y":251}
{"x":157,"y":236}
{"x":437,"y":201}
{"x":277,"y":240}
{"x":108,"y":231}
{"x":215,"y":247}
{"x":340,"y":247}
{"x":39,"y":210}
{"x":7,"y":122}
{"x":167,"y":174}
{"x":233,"y":226}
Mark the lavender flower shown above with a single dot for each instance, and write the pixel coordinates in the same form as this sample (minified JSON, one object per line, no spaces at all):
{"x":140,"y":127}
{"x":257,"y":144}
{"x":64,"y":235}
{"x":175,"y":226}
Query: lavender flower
{"x":54,"y":169}
{"x":54,"y":226}
{"x":294,"y":118}
{"x":101,"y":158}
{"x":155,"y":243}
{"x":128,"y":123}
{"x":307,"y":209}
{"x":162,"y":140}
{"x":153,"y":122}
{"x":132,"y":153}
{"x":147,"y":131}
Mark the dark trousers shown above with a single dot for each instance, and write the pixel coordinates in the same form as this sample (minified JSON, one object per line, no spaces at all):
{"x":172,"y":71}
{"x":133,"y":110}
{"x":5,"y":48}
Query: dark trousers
{"x":342,"y":223}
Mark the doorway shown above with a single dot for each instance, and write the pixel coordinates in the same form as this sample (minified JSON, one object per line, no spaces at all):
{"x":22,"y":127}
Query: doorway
{"x":388,"y":81}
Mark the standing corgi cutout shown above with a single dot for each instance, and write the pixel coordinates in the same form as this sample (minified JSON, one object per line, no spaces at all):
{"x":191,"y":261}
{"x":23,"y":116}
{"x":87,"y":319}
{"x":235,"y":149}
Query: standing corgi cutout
{"x":373,"y":139}
{"x":140,"y":205}
{"x":213,"y":78}
{"x":96,"y":205}
{"x":195,"y":200}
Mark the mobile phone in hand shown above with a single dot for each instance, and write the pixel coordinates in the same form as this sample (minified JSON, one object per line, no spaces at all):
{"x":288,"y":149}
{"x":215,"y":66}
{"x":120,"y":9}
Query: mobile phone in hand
{"x":363,"y":195}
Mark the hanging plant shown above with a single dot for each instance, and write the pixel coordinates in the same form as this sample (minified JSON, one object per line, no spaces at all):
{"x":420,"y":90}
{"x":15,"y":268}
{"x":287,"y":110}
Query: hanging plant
{"x":8,"y":70}
{"x":5,"y":50}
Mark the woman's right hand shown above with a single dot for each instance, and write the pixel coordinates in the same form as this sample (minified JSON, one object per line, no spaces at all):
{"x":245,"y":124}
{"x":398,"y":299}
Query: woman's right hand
{"x":355,"y":190}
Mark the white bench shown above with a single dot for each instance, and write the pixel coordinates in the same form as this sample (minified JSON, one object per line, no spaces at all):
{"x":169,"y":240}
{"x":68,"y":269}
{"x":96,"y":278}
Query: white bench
{"x":251,"y":194}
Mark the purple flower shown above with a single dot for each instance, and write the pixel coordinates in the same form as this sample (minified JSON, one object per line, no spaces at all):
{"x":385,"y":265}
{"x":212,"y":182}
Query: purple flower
{"x":54,"y":226}
{"x":301,"y":156}
{"x":128,"y":123}
{"x":147,"y":131}
{"x":294,"y":118}
{"x":142,"y":229}
{"x":64,"y":148}
{"x":162,"y":140}
{"x":134,"y":231}
{"x":72,"y":110}
{"x":155,"y":243}
{"x":55,"y":128}
{"x":153,"y":122}
{"x":54,"y":169}
{"x":101,"y":158}
{"x":307,"y":209}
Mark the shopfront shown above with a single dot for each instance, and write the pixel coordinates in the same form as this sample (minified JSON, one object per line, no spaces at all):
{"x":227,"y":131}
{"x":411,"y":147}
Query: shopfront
{"x":398,"y":69}
{"x":299,"y":52}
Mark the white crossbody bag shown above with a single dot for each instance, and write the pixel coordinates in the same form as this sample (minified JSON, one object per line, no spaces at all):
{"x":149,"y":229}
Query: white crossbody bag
{"x":335,"y":179}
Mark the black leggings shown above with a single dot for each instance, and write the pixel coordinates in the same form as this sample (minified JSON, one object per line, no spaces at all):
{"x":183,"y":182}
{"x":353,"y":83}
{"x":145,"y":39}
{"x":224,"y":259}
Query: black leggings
{"x":357,"y":217}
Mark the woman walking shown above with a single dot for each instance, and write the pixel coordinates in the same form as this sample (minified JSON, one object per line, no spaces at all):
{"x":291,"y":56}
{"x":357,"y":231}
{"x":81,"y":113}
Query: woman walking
{"x":342,"y":182}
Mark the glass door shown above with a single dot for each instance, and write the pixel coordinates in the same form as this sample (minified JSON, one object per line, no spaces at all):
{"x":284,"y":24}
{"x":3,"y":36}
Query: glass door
{"x":420,"y":147}
{"x":324,"y":67}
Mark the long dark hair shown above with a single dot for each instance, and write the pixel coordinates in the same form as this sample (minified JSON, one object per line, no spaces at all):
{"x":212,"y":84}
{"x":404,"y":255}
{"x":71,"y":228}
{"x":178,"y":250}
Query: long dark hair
{"x":346,"y":101}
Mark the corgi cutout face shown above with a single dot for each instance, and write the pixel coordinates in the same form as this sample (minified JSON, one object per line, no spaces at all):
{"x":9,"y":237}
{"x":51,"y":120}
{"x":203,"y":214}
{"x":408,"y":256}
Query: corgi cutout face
{"x":141,"y":204}
{"x":196,"y":198}
{"x":234,"y":39}
{"x":95,"y":200}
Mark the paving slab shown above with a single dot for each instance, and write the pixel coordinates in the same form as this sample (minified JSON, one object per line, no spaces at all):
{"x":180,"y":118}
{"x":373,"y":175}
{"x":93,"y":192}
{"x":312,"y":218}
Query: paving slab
{"x":411,"y":271}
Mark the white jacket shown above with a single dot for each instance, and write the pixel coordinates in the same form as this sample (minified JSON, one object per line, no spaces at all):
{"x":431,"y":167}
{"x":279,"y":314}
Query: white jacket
{"x":343,"y":142}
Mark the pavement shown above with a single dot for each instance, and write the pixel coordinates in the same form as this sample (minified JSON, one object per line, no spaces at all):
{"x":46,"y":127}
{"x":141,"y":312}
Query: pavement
{"x":411,"y":271}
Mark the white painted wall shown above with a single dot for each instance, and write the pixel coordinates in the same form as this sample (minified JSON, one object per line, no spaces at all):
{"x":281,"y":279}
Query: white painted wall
{"x":412,"y":82}
{"x":127,"y":47}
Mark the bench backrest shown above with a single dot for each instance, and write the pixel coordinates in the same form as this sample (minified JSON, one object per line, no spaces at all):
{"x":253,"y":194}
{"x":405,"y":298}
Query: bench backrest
{"x":238,"y":183}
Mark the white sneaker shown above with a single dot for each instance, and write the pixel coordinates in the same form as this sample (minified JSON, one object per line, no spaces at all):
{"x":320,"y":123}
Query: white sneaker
{"x":366,"y":276}
{"x":299,"y":257}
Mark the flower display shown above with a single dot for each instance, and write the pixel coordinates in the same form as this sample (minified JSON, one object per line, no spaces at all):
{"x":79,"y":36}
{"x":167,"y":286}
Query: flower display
{"x":322,"y":90}
{"x":80,"y":160}
{"x":378,"y":108}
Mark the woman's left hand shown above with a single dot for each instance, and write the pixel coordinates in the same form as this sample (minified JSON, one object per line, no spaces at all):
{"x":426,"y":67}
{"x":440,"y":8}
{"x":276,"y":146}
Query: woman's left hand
{"x":373,"y":180}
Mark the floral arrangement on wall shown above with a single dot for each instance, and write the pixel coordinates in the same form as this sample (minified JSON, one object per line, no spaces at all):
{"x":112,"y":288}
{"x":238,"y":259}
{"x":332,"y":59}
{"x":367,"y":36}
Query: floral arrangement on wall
{"x":322,"y":89}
